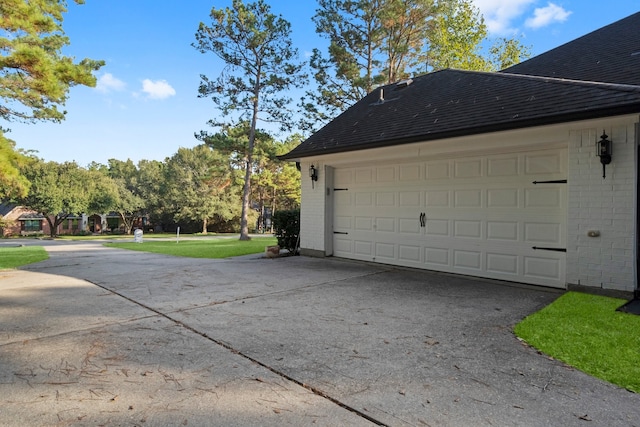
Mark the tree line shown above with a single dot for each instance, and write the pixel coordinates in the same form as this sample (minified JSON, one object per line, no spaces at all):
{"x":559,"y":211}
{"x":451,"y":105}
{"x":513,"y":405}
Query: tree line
{"x":371,"y":43}
{"x":197,"y":188}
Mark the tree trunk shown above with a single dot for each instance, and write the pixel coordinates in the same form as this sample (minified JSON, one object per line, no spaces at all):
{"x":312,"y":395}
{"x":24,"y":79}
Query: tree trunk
{"x":246,"y":191}
{"x":204,"y":225}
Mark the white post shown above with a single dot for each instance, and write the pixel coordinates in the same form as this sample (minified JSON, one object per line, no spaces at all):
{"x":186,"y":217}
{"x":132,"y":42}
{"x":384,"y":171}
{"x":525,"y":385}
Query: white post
{"x":178,"y":235}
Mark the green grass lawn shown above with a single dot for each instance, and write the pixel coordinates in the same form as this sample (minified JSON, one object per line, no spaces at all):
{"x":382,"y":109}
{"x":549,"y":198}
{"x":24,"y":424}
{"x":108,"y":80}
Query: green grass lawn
{"x":13,"y":257}
{"x":586,"y":332}
{"x":205,"y":248}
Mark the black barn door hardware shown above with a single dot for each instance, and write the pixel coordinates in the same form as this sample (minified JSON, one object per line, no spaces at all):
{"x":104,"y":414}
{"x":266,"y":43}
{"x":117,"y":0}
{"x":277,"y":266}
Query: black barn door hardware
{"x":340,"y":232}
{"x":340,"y":189}
{"x":536,"y":248}
{"x":557,"y":181}
{"x":423,"y":220}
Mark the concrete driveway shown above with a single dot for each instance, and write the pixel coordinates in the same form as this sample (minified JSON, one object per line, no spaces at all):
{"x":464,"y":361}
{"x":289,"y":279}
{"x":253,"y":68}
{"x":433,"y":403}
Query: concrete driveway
{"x":100,"y":336}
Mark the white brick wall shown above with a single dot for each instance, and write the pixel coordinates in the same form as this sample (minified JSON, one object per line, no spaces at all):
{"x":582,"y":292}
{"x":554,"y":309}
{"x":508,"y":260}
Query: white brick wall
{"x":312,"y":210}
{"x":604,"y":205}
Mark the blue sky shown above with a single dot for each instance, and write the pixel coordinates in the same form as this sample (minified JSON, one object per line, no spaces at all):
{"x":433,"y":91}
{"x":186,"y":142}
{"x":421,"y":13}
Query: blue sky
{"x":145,"y":105}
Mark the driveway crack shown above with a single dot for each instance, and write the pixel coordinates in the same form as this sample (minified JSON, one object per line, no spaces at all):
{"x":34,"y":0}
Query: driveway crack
{"x":229,"y":347}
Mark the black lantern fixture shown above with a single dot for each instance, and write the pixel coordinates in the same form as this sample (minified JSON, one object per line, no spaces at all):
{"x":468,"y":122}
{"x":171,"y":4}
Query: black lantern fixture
{"x":604,"y":151}
{"x":313,"y":174}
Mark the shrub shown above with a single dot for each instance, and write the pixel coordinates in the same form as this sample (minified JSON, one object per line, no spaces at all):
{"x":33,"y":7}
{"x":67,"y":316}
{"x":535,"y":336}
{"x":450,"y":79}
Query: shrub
{"x":286,"y":225}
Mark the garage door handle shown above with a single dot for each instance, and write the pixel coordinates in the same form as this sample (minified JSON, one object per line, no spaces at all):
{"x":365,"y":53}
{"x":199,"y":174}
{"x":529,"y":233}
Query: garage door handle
{"x":339,"y":232}
{"x":423,"y":219}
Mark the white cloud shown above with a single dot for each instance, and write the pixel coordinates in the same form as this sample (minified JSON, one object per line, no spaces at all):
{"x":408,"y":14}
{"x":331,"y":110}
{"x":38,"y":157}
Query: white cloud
{"x":159,"y":89}
{"x":107,"y":83}
{"x":544,"y":16}
{"x":499,"y":14}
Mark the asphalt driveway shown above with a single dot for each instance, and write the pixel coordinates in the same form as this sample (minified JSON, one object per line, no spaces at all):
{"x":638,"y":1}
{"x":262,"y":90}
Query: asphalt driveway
{"x":101,"y":336}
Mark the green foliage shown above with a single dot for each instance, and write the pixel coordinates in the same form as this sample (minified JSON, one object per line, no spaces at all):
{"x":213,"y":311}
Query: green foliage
{"x":16,"y":257}
{"x":206,"y":248}
{"x":383,"y":41}
{"x":458,"y":31}
{"x":507,"y":52}
{"x":34,"y":77}
{"x":12,"y":182}
{"x":198,"y":186}
{"x":59,"y":190}
{"x":287,"y":229}
{"x":586,"y":331}
{"x":260,"y":64}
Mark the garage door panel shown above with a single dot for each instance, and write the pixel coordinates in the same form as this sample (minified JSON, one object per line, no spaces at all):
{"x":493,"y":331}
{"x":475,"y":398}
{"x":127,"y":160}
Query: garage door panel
{"x":408,"y":173}
{"x":410,"y":199}
{"x":342,"y":222}
{"x":547,"y":233}
{"x":363,"y":223}
{"x":342,"y":198}
{"x":503,"y":166}
{"x":545,"y":163}
{"x":503,"y":263}
{"x":386,"y":225}
{"x":385,"y":174}
{"x":542,"y":197}
{"x":410,"y":226}
{"x":502,"y":230}
{"x":468,"y":168}
{"x":439,"y":170}
{"x":363,"y":176}
{"x":342,"y":246}
{"x":468,"y":198}
{"x":545,"y":268}
{"x":437,"y":199}
{"x":467,"y":229}
{"x":363,"y":248}
{"x":467,"y":260}
{"x":364,"y":199}
{"x":409,"y":253}
{"x":503,"y":198}
{"x":483,"y":216}
{"x":385,"y":250}
{"x":385,"y":199}
{"x":437,"y":227}
{"x":436,"y":257}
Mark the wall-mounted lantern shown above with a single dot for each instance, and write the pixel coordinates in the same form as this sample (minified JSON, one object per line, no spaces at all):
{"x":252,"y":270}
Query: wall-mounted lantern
{"x":604,"y":151}
{"x":313,"y":174}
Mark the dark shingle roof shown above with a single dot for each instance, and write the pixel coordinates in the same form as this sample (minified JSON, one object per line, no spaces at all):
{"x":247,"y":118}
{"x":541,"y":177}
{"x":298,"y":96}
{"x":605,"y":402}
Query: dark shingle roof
{"x":451,"y":103}
{"x":609,"y":54}
{"x":597,"y":75}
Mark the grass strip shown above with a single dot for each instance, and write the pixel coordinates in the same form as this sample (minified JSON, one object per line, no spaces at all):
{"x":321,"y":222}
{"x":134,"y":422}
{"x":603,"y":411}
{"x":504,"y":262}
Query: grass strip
{"x":14,"y":257}
{"x":586,"y":332}
{"x":205,"y":248}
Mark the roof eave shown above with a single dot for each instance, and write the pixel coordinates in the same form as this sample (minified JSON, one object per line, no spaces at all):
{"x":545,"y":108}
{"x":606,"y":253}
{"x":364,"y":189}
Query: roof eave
{"x":461,"y":132}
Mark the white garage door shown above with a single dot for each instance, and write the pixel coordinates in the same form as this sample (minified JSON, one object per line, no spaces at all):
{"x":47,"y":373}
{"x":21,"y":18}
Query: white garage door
{"x":480,"y":216}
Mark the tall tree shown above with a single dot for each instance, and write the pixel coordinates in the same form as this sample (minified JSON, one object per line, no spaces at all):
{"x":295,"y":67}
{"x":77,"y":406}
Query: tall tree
{"x":128,"y":203}
{"x":455,"y":41}
{"x":384,"y":41}
{"x":34,"y":76}
{"x":199,"y":181}
{"x":260,"y":64}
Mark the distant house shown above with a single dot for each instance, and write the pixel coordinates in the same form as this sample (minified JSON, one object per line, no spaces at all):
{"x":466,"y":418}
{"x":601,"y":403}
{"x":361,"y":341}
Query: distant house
{"x":22,"y":221}
{"x":496,"y":175}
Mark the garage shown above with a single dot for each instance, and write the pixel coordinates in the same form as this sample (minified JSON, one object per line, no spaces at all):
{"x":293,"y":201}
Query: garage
{"x":499,"y":216}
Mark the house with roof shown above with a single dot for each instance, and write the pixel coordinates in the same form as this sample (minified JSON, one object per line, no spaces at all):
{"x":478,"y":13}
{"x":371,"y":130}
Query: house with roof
{"x":22,"y":221}
{"x":527,"y":175}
